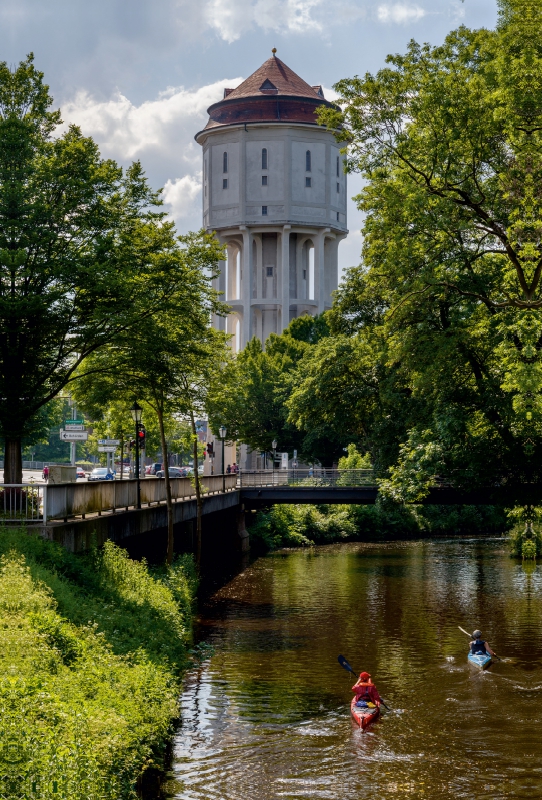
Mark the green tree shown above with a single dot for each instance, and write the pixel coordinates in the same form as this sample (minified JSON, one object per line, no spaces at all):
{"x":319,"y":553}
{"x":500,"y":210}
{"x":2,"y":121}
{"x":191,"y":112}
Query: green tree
{"x":84,"y":254}
{"x":168,"y":360}
{"x":249,"y":395}
{"x":447,"y":298}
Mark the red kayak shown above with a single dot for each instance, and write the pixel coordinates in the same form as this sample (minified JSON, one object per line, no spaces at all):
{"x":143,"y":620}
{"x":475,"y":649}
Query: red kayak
{"x":363,"y":716}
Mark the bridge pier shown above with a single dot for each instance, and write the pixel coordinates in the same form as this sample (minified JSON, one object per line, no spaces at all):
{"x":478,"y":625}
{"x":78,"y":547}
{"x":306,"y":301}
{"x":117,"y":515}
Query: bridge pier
{"x":242,"y":533}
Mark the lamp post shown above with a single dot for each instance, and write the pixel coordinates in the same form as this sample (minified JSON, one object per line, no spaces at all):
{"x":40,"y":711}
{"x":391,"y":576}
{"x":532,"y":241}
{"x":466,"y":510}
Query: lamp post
{"x":274,"y":446}
{"x":222,"y":433}
{"x":136,"y":412}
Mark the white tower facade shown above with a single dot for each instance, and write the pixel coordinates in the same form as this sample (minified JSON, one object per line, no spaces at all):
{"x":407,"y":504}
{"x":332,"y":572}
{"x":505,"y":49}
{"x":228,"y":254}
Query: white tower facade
{"x":274,"y":191}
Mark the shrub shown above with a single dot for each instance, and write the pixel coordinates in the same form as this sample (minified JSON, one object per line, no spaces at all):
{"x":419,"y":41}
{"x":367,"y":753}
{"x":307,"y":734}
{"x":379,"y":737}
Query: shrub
{"x":92,"y":649}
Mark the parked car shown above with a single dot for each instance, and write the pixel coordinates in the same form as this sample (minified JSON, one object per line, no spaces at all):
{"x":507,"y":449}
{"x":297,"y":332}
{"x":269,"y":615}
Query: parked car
{"x":80,"y":473}
{"x":101,"y":474}
{"x":174,"y":472}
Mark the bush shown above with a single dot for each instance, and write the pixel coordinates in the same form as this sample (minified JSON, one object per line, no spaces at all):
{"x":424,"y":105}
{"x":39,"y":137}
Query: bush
{"x":92,"y":648}
{"x":295,"y":526}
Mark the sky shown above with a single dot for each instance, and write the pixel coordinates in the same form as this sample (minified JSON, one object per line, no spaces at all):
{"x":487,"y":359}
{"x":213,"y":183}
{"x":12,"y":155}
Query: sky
{"x":138,"y":75}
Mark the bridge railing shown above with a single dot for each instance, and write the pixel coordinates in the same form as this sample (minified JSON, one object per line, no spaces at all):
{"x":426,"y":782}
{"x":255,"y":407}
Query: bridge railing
{"x":33,"y":502}
{"x":307,"y":477}
{"x":22,"y":502}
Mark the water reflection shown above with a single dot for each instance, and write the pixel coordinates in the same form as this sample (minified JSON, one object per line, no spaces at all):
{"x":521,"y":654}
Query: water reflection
{"x":268,"y":718}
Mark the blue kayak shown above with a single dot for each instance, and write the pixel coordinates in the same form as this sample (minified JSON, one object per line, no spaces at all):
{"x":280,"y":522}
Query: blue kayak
{"x":481,"y":660}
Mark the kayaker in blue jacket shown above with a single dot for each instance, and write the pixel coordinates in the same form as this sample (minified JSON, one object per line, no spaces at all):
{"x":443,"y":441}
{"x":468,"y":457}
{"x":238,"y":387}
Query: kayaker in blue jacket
{"x":478,"y":646}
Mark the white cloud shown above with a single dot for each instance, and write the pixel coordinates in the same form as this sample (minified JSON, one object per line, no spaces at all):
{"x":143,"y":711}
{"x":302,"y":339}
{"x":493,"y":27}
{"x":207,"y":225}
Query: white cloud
{"x":234,"y":18}
{"x":400,"y":13}
{"x":183,"y":196}
{"x":127,"y":130}
{"x":160,"y":133}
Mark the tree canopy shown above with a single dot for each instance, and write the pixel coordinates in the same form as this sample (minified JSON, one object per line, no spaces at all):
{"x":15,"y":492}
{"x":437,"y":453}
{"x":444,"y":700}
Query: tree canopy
{"x":85,"y":253}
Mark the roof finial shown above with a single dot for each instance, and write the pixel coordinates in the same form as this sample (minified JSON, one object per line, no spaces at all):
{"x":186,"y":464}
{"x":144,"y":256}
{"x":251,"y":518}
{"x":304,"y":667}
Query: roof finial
{"x":274,"y":51}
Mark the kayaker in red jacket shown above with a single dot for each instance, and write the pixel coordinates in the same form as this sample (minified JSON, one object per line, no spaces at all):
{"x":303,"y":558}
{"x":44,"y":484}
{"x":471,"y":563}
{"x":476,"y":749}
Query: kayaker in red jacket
{"x":366,"y":690}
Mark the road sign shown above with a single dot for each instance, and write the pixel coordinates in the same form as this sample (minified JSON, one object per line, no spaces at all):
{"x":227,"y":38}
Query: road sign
{"x":73,"y":422}
{"x":107,"y":449}
{"x":73,"y":436}
{"x":115,"y":442}
{"x":70,"y":427}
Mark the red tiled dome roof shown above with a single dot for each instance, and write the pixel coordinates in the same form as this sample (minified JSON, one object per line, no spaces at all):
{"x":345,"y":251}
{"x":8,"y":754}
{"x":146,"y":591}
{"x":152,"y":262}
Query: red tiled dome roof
{"x":274,"y":75}
{"x":274,"y":93}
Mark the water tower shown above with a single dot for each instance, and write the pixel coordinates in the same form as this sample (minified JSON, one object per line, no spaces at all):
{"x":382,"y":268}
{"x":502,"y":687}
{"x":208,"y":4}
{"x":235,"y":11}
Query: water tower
{"x":274,"y":191}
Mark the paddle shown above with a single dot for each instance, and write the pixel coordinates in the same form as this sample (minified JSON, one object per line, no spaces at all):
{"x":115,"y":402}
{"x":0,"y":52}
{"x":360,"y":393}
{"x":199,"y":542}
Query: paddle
{"x":345,"y":665}
{"x":470,"y":637}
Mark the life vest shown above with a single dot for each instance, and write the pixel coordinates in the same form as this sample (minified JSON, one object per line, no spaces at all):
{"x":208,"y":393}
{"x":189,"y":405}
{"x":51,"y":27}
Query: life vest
{"x":478,"y":647}
{"x":362,"y":691}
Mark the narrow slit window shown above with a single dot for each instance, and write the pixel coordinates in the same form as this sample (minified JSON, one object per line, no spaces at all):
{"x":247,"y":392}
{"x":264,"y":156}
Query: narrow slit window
{"x":304,"y":274}
{"x":264,"y":211}
{"x":337,"y":216}
{"x":308,"y":182}
{"x":225,"y":162}
{"x":264,"y":158}
{"x":269,"y":272}
{"x":224,"y":183}
{"x":338,"y":166}
{"x":338,"y":186}
{"x":308,"y":161}
{"x":264,"y":180}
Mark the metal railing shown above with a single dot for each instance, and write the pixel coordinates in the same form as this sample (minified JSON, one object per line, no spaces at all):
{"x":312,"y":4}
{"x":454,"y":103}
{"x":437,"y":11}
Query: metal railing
{"x":318,"y":476}
{"x":22,"y":502}
{"x":68,"y":500}
{"x":38,"y":502}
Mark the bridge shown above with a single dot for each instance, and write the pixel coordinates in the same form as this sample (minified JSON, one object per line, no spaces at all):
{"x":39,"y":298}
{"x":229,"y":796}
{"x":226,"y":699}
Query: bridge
{"x":76,"y":514}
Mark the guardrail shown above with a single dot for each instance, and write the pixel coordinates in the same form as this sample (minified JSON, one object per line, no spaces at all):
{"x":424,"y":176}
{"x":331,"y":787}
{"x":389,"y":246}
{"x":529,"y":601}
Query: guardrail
{"x":33,"y":502}
{"x":22,"y":502}
{"x":307,"y":477}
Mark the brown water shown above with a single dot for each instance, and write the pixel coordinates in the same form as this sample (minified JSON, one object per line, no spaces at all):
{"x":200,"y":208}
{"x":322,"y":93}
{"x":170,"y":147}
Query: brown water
{"x":268,"y":715}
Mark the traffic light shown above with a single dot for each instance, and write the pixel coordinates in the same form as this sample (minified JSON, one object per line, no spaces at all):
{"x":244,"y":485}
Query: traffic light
{"x":141,"y":436}
{"x":210,"y":449}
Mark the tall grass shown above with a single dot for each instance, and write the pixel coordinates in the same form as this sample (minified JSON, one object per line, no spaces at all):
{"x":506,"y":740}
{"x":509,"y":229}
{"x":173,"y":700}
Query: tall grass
{"x":91,"y":652}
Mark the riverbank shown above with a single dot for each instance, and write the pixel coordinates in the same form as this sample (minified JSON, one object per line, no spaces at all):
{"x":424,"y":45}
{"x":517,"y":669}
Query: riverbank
{"x":92,"y":649}
{"x":306,"y":525}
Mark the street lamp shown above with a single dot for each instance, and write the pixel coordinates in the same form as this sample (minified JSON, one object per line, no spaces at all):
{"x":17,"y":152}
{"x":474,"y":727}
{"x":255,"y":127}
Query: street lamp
{"x":274,"y":446}
{"x":136,"y":412}
{"x":222,"y":433}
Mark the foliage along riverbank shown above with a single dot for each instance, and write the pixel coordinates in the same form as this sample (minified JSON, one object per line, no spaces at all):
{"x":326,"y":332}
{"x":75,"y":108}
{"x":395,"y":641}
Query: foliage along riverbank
{"x":305,"y":525}
{"x":92,"y":650}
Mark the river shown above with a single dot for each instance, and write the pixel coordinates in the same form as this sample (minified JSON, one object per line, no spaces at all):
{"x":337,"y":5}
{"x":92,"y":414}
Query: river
{"x":267,"y":716}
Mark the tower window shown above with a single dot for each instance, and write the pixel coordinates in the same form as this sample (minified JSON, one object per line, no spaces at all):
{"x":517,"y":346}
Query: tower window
{"x":264,"y":158}
{"x":264,"y":211}
{"x":224,"y":183}
{"x":308,"y":161}
{"x":338,"y":186}
{"x":338,"y":165}
{"x":264,"y":180}
{"x":337,"y":216}
{"x":308,"y":181}
{"x":225,"y":162}
{"x":269,"y":272}
{"x":304,"y":274}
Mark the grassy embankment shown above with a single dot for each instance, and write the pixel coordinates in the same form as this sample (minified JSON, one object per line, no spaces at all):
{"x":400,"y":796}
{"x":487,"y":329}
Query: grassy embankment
{"x":92,"y":650}
{"x":298,"y":526}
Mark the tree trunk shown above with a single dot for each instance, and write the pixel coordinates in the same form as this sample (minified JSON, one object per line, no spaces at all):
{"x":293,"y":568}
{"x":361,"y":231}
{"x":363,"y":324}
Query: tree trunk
{"x":13,"y":462}
{"x":165,"y":468}
{"x":199,"y":501}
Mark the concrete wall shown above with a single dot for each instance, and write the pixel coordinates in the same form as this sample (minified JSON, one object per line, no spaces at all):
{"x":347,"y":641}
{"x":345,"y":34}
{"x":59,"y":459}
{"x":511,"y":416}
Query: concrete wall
{"x":78,"y":535}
